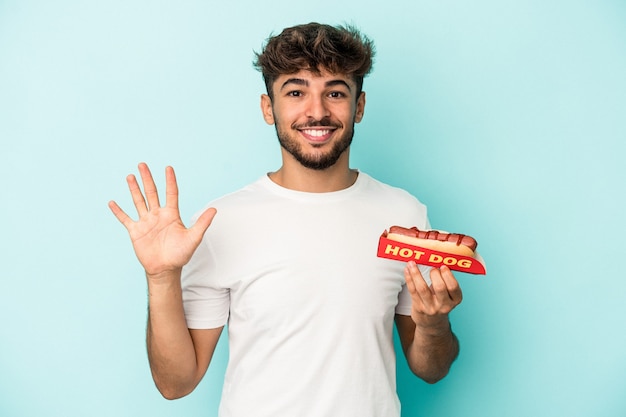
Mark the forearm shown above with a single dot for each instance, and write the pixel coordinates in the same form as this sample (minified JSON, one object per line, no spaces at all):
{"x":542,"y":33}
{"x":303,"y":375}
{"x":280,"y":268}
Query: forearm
{"x":170,"y":346}
{"x":432,"y":350}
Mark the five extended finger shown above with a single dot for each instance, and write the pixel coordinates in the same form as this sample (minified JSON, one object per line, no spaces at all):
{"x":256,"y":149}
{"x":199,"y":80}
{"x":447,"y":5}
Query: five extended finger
{"x":149,"y":188}
{"x":171,"y":188}
{"x":203,"y":222}
{"x":137,"y":195}
{"x":119,"y":213}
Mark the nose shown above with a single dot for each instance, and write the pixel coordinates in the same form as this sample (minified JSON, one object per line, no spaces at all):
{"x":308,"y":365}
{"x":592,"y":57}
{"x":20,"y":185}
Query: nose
{"x":317,"y":108}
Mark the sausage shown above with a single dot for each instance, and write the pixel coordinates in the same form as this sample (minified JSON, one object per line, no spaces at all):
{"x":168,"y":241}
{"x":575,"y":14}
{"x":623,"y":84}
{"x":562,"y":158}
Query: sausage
{"x":446,"y":242}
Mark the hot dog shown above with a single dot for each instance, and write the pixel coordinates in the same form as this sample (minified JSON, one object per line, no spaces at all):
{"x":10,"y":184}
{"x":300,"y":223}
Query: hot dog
{"x":453,"y":243}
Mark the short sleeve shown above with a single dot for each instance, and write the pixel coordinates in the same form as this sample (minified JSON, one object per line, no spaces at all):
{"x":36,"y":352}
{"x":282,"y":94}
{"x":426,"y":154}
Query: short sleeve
{"x":206,"y":304}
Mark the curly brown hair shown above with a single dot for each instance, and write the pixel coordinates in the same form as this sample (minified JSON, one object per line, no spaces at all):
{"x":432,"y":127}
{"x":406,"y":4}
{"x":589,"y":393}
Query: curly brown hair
{"x":316,"y":47}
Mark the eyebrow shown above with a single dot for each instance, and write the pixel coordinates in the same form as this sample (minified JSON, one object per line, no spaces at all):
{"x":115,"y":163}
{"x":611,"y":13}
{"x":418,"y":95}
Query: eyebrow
{"x":303,"y":82}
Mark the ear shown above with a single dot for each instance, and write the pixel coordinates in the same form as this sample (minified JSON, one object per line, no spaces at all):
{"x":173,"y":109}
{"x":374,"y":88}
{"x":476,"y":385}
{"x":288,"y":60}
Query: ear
{"x":266,"y":109}
{"x":360,"y":108}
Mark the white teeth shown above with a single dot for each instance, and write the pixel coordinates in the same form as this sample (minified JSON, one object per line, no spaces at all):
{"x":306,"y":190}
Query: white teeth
{"x":317,"y":133}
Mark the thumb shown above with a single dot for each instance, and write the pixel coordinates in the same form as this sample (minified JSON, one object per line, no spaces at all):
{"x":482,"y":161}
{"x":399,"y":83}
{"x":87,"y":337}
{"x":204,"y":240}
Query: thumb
{"x":204,"y":221}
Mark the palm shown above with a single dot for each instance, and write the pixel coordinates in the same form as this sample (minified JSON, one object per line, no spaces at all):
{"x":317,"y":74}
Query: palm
{"x":160,"y":239}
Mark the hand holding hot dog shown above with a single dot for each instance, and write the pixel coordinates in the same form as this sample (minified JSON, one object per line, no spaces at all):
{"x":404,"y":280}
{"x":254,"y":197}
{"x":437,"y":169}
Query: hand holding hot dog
{"x":161,"y":241}
{"x":431,"y":304}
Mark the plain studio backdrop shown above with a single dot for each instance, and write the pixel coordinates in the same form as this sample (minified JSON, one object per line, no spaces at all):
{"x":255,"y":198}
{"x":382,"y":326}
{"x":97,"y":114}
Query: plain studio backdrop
{"x":507,"y":118}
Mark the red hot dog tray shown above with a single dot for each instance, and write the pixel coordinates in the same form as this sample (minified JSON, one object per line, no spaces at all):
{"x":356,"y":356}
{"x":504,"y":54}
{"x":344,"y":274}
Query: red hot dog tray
{"x":400,"y":251}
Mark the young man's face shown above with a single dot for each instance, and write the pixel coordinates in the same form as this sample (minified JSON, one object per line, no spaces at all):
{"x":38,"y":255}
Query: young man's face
{"x":314,"y":115}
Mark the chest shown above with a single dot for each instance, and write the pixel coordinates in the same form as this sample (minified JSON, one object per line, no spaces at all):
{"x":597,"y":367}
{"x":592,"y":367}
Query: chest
{"x":313,"y":261}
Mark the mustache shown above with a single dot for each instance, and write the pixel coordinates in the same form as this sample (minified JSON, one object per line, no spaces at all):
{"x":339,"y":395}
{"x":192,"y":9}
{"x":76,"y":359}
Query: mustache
{"x":323,"y":122}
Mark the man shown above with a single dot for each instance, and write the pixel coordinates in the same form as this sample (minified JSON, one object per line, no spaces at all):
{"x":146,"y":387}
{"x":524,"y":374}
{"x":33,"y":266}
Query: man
{"x":289,"y":262}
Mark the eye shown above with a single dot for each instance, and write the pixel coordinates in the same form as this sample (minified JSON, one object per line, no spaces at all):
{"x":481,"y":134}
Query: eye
{"x":336,"y":94}
{"x":295,"y":93}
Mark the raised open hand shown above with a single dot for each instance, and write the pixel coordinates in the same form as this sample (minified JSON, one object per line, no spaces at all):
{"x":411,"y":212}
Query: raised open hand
{"x":161,"y":241}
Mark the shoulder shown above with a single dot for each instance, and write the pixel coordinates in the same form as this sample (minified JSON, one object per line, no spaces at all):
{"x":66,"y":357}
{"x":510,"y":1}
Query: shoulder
{"x":386,"y":192}
{"x":240,"y":199}
{"x":391,"y":205}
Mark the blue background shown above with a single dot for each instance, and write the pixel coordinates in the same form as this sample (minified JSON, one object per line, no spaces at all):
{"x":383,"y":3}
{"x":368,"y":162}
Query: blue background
{"x":507,"y":118}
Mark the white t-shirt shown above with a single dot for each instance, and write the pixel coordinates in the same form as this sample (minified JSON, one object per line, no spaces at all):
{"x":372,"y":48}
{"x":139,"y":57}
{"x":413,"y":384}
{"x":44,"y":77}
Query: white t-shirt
{"x":309,"y":305}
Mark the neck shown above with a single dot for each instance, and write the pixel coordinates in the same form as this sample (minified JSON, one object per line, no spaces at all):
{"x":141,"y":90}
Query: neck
{"x":294,"y":176}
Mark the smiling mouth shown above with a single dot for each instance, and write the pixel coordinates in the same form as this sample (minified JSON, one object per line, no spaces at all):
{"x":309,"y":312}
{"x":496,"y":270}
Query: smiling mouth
{"x":316,"y":133}
{"x":317,"y":136}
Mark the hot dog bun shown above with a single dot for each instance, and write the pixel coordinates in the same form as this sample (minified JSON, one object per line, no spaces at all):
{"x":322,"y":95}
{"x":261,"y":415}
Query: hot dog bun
{"x":453,"y":243}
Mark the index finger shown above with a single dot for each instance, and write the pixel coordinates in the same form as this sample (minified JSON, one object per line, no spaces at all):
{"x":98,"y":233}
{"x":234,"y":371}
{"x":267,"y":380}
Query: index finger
{"x":171,"y":188}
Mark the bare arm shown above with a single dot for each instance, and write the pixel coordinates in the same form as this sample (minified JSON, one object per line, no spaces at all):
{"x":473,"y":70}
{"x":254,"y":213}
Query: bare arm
{"x":429,"y":345}
{"x":179,"y":357}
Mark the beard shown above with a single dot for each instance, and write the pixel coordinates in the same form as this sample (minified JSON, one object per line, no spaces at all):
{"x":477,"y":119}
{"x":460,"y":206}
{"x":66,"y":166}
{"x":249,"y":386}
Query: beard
{"x":315,"y":160}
